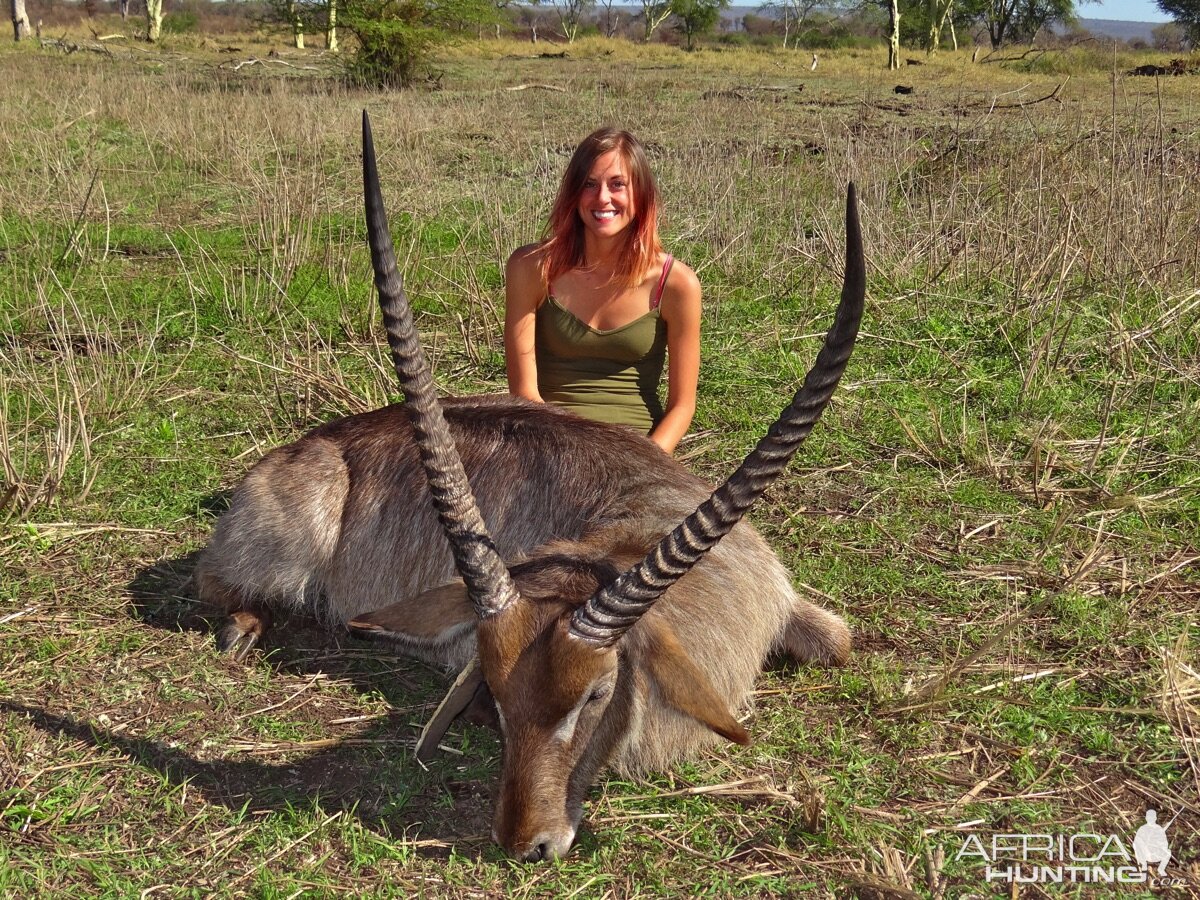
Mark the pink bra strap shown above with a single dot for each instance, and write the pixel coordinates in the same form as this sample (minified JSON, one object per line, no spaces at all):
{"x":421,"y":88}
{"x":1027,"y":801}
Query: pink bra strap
{"x":662,"y":282}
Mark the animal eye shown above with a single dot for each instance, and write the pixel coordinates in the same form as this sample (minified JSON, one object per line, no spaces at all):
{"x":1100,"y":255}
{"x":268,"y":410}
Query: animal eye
{"x":598,"y":693}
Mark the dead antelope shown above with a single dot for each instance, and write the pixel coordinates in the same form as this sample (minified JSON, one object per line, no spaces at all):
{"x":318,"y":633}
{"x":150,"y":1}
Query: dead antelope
{"x":618,"y":610}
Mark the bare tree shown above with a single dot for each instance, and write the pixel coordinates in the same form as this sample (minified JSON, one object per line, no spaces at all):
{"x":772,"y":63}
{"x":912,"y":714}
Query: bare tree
{"x":792,"y":13}
{"x":654,"y":13}
{"x":154,"y":17}
{"x":612,"y":18}
{"x":570,"y":16}
{"x":529,"y":15}
{"x":20,"y":20}
{"x":1170,"y":36}
{"x":893,"y":34}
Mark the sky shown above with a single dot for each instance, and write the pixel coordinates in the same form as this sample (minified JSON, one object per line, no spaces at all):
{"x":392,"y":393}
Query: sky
{"x":1126,"y":10}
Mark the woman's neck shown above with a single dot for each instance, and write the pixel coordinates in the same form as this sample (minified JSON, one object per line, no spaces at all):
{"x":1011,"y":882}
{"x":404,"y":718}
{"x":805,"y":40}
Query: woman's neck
{"x":602,"y":254}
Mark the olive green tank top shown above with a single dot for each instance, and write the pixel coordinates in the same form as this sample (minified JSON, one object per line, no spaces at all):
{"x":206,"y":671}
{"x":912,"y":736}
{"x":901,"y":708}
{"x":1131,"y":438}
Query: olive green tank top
{"x":609,"y":375}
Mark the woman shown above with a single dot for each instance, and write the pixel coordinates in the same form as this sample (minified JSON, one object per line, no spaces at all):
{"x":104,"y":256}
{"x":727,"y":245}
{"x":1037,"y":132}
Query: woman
{"x":592,"y":310}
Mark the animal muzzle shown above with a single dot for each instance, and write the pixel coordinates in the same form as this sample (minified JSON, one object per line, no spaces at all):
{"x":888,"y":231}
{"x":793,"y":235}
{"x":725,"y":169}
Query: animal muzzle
{"x":548,"y":845}
{"x":534,"y":821}
{"x":533,"y":836}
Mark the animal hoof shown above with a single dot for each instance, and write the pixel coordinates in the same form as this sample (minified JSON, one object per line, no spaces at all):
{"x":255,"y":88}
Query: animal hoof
{"x":240,"y":635}
{"x":235,"y":643}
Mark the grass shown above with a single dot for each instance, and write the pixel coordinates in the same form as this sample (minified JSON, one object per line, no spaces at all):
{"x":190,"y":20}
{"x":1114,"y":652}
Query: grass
{"x":1003,"y":498}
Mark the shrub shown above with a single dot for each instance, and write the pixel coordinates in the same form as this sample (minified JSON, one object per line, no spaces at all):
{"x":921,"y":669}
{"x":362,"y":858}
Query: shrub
{"x":396,"y":37}
{"x":393,"y":41}
{"x":183,"y":21}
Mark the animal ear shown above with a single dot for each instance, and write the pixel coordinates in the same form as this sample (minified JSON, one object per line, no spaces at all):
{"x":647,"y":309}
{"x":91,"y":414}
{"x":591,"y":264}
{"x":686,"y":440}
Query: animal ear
{"x":684,"y":687}
{"x":460,"y":696}
{"x":429,"y":616}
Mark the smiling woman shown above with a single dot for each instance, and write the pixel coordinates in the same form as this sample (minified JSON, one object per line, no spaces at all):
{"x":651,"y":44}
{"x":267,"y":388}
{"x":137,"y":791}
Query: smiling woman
{"x":595,"y":309}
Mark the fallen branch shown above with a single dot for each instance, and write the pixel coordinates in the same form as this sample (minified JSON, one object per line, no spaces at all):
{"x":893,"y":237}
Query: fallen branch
{"x":1053,"y":95}
{"x":255,"y":61}
{"x":1003,"y":59}
{"x":534,"y":86}
{"x":993,"y":105}
{"x":69,"y":47}
{"x":745,"y":92}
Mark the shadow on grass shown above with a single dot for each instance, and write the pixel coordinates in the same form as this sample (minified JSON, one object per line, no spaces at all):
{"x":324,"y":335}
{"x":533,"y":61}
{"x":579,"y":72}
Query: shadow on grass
{"x":163,"y":596}
{"x":386,"y":795}
{"x":371,"y":774}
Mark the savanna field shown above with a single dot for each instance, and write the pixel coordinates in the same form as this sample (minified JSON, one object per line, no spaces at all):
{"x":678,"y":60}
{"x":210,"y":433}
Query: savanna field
{"x":1003,"y":498}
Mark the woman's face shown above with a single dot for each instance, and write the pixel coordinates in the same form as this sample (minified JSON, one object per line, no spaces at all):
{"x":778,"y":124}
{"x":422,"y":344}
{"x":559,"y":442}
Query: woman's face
{"x":606,"y":205}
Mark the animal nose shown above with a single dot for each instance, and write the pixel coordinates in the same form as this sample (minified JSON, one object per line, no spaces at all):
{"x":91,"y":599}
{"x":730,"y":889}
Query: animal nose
{"x":536,"y":853}
{"x":548,"y":845}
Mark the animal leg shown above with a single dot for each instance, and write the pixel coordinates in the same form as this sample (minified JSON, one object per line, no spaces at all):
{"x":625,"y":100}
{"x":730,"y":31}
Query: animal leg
{"x":247,"y":622}
{"x":815,"y":635}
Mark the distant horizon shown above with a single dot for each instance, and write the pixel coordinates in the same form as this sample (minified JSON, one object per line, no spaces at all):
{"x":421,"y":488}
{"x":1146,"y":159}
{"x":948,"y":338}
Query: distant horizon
{"x":1113,"y":10}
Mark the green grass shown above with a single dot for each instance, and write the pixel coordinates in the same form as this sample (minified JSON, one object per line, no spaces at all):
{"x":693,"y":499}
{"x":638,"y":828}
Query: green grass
{"x":1003,"y":499}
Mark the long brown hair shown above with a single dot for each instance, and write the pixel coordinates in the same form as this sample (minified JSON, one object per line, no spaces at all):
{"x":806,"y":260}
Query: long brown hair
{"x":562,"y":249}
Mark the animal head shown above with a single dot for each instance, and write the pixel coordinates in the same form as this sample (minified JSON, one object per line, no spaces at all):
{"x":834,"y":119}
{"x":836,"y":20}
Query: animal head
{"x":563,"y":702}
{"x":569,"y":641}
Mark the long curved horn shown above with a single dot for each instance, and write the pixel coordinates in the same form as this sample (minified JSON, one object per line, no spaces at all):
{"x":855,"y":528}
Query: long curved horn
{"x":488,"y":583}
{"x":613,"y":610}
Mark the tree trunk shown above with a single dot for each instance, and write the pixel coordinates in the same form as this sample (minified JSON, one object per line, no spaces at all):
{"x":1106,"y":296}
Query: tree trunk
{"x":331,"y":43}
{"x":123,"y":5}
{"x":653,"y":20}
{"x":154,"y":16}
{"x":937,"y":24}
{"x":20,"y":20}
{"x":996,"y":32}
{"x":894,"y":34}
{"x":297,"y":25}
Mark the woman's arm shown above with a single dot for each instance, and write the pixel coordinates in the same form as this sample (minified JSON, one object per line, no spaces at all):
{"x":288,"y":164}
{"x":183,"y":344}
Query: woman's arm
{"x":681,"y":313}
{"x":523,"y":291}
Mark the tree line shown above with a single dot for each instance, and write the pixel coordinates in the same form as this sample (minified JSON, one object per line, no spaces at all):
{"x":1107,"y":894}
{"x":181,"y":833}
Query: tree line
{"x":393,"y":39}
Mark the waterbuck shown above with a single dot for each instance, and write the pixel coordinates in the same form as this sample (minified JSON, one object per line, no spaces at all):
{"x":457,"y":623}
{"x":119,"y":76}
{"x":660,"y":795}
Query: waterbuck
{"x":617,"y":608}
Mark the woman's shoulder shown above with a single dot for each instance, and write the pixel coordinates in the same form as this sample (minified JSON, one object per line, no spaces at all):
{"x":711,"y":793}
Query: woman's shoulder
{"x":682,"y":284}
{"x":523,"y":272}
{"x":527,"y":258}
